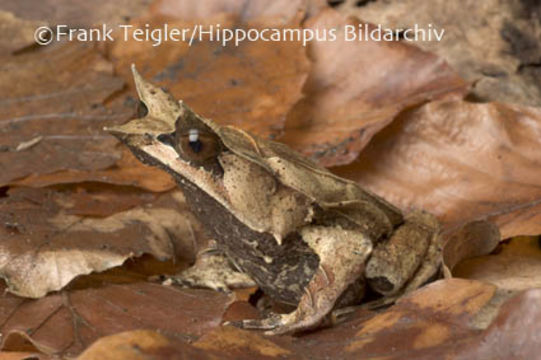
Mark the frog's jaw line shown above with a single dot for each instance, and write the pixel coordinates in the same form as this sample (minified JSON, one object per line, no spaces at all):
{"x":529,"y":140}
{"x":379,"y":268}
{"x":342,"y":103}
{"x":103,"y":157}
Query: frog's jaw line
{"x":169,"y":157}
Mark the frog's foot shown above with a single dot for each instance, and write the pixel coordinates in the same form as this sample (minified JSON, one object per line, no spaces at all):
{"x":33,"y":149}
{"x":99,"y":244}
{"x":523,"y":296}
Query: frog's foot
{"x":212,"y":270}
{"x":342,"y":254}
{"x":278,"y":324}
{"x":310,"y":313}
{"x":271,"y":322}
{"x":432,"y":262}
{"x":407,"y":260}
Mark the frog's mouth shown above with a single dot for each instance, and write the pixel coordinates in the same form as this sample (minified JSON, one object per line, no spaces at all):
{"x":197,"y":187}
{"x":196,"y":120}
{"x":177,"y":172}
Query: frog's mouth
{"x":157,"y":149}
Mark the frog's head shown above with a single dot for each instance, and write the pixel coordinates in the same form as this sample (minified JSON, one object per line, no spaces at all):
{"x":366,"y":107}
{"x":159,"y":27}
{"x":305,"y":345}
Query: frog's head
{"x":183,"y":138}
{"x":226,"y":163}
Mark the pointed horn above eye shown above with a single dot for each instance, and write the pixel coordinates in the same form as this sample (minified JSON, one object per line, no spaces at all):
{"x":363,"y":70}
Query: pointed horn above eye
{"x":139,"y":81}
{"x":160,"y":104}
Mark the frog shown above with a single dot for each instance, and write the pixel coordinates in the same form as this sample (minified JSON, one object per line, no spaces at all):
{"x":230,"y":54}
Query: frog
{"x":306,"y":237}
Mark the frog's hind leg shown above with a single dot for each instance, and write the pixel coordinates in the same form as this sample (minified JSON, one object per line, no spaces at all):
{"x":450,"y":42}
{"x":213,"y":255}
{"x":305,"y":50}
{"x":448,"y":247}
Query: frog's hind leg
{"x":342,"y":255}
{"x":407,"y":260}
{"x":212,"y":270}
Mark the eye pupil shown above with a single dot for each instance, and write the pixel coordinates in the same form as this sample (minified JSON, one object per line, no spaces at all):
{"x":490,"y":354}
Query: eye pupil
{"x":193,"y":141}
{"x":196,"y":146}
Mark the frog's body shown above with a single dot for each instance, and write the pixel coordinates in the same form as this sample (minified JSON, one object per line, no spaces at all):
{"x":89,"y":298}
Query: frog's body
{"x":302,"y":234}
{"x":281,"y":271}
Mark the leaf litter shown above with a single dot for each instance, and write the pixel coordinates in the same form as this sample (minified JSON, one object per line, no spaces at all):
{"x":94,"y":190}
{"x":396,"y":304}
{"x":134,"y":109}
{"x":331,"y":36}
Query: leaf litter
{"x":358,"y":107}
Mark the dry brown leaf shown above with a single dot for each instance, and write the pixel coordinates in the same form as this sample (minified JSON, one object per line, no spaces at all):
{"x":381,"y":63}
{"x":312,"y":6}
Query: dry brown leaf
{"x":68,"y":322}
{"x":471,"y":240}
{"x":517,"y":266}
{"x":50,"y":237}
{"x":57,"y":136}
{"x":77,"y":13}
{"x":22,"y":355}
{"x":241,"y":344}
{"x":493,"y":43}
{"x":252,"y":86}
{"x":142,"y":345}
{"x":52,"y":112}
{"x":275,"y":13}
{"x":424,"y":160}
{"x":127,"y":171}
{"x":428,"y":323}
{"x":461,"y":161}
{"x":514,"y":334}
{"x":357,"y":88}
{"x":16,"y":33}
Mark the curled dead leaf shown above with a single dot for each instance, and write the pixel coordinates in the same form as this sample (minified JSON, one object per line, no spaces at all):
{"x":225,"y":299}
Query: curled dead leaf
{"x":461,"y":161}
{"x":252,"y":85}
{"x":142,"y":345}
{"x":276,"y":13}
{"x":516,"y":266}
{"x":513,"y":334}
{"x":59,"y":98}
{"x":471,"y":240}
{"x":440,"y":320}
{"x":66,"y":323}
{"x":494,"y":43}
{"x":48,"y":237}
{"x":356,"y":88}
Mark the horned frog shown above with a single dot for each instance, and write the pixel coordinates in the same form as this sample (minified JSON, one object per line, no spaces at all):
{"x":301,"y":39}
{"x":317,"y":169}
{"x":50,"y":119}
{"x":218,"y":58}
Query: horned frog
{"x":306,"y":237}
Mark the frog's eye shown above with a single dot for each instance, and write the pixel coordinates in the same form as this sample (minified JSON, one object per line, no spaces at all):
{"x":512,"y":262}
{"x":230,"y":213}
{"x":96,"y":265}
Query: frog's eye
{"x":198,"y":146}
{"x":142,"y":109}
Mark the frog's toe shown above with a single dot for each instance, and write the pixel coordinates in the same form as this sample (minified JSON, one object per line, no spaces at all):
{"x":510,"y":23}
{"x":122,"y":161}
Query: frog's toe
{"x":185,"y":281}
{"x":197,"y":282}
{"x":292,"y":324}
{"x":269,"y":323}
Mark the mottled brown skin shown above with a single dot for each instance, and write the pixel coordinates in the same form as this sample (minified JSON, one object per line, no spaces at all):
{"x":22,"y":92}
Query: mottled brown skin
{"x":302,"y":234}
{"x":293,"y":263}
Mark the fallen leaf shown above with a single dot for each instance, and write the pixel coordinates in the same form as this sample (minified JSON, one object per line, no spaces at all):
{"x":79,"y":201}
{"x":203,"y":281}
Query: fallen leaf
{"x":124,"y":345}
{"x":356,"y":88}
{"x":430,"y":317}
{"x":20,"y":355}
{"x":469,"y":241}
{"x":493,"y":43}
{"x":16,"y":33}
{"x":50,"y":237}
{"x":514,"y":334}
{"x":59,"y":97}
{"x":66,"y":323}
{"x":461,"y":161}
{"x":76,"y":13}
{"x":252,"y":85}
{"x":280,"y":12}
{"x":517,"y":266}
{"x":142,"y":345}
{"x":428,"y":323}
{"x":127,"y":171}
{"x":237,"y":344}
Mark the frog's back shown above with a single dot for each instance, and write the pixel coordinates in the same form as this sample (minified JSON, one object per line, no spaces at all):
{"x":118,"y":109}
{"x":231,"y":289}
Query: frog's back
{"x":303,"y":175}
